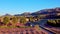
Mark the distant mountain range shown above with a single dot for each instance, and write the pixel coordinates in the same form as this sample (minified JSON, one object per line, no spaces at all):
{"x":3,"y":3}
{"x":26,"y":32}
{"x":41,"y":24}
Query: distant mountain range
{"x":52,"y":11}
{"x":47,"y":12}
{"x":23,"y":14}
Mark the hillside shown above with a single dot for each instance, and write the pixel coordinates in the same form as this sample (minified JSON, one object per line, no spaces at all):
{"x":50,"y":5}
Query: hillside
{"x":52,"y":11}
{"x":47,"y":13}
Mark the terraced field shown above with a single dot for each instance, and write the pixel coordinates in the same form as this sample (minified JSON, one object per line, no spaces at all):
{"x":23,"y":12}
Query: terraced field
{"x":22,"y":31}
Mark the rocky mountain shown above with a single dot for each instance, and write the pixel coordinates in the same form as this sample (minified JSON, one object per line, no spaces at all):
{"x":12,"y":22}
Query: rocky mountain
{"x":26,"y":14}
{"x":7,"y":15}
{"x":23,"y":14}
{"x":48,"y":12}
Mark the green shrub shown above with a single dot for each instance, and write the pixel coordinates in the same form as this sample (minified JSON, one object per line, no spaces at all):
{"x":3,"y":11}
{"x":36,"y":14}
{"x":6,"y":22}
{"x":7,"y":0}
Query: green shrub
{"x":6,"y":20}
{"x":23,"y":20}
{"x":53,"y":22}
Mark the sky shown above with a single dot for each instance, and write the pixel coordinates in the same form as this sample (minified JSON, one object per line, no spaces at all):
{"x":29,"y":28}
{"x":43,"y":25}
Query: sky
{"x":20,"y":6}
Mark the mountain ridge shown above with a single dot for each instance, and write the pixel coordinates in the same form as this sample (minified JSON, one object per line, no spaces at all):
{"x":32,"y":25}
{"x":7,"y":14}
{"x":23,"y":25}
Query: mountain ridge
{"x":40,"y":12}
